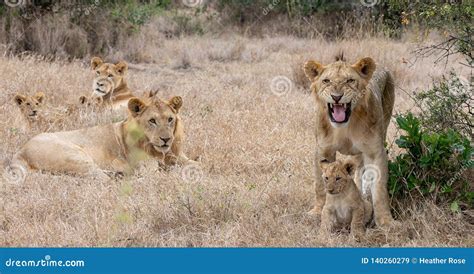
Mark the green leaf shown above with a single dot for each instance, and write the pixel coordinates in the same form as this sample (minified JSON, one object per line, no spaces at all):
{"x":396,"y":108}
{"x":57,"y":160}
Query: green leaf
{"x":454,"y":207}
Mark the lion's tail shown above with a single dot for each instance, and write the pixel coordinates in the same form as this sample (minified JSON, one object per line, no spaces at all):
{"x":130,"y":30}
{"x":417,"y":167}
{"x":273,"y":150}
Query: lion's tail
{"x":388,"y":98}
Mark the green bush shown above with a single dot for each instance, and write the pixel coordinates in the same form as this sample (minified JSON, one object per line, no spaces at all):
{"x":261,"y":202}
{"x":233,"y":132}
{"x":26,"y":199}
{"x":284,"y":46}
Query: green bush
{"x":433,"y":164}
{"x":449,"y":104}
{"x":135,"y":13}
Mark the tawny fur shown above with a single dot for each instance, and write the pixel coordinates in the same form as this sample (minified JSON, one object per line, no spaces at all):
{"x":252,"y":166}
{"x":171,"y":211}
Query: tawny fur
{"x":371,"y":97}
{"x":110,"y":83}
{"x":153,"y":129}
{"x":344,"y":203}
{"x":37,"y":115}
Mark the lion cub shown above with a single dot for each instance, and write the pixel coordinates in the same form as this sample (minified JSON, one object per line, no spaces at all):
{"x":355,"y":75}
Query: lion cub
{"x":344,"y":203}
{"x":31,"y":107}
{"x":42,"y":117}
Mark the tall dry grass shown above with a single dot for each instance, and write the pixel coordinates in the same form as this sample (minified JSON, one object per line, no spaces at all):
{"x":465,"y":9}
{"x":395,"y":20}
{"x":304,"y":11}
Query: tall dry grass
{"x":255,"y":145}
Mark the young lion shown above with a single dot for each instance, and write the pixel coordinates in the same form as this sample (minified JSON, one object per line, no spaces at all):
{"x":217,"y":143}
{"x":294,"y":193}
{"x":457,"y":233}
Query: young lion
{"x":110,"y":84}
{"x":354,"y":105}
{"x":31,"y":107}
{"x":35,"y":113}
{"x":344,"y":203}
{"x":153,"y":129}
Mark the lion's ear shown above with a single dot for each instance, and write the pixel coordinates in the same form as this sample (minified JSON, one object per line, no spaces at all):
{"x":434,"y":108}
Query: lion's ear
{"x":121,"y":67}
{"x":39,"y":96}
{"x":365,"y":67}
{"x":19,"y":99}
{"x":136,"y":106}
{"x":176,"y":102}
{"x":324,"y":163}
{"x":349,"y":167}
{"x":96,"y":62}
{"x":313,"y":70}
{"x":151,"y":93}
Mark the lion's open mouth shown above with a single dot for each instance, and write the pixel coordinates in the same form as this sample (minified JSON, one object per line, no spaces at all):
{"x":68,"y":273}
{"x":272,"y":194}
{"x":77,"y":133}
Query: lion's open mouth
{"x":339,"y":113}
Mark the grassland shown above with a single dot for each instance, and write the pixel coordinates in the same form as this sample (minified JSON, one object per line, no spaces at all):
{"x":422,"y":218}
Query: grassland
{"x":254,"y":141}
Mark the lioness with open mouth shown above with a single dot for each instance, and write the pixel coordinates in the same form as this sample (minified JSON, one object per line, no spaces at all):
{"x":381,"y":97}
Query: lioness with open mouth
{"x":153,"y":129}
{"x":354,"y":104}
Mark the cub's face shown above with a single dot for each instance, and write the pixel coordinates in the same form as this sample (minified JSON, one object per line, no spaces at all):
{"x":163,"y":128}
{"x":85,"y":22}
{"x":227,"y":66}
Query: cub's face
{"x":157,"y":120}
{"x":107,"y":76}
{"x":30,"y":106}
{"x":339,"y":86}
{"x":337,"y":175}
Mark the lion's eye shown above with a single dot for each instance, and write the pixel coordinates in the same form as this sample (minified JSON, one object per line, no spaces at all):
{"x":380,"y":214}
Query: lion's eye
{"x":153,"y":121}
{"x":97,"y":72}
{"x":170,"y":119}
{"x":338,"y":178}
{"x":350,"y":81}
{"x":110,"y":76}
{"x":326,"y":178}
{"x":326,"y":81}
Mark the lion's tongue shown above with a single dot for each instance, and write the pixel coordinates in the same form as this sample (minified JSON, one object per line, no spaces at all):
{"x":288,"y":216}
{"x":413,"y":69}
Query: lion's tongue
{"x":339,"y":113}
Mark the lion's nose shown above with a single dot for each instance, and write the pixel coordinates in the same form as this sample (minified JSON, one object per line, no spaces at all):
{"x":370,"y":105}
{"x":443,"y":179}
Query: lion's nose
{"x":34,"y":112}
{"x":336,"y":98}
{"x":165,"y":140}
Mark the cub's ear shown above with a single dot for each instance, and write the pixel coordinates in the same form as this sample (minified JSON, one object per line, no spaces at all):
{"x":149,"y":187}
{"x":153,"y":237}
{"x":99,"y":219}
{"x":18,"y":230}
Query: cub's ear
{"x":136,"y":106}
{"x":19,"y":99}
{"x":176,"y":102}
{"x":349,"y":167}
{"x":39,"y":96}
{"x":324,"y":163}
{"x":365,"y":67}
{"x":313,"y":70}
{"x":96,"y":62}
{"x":151,"y":93}
{"x":121,"y":67}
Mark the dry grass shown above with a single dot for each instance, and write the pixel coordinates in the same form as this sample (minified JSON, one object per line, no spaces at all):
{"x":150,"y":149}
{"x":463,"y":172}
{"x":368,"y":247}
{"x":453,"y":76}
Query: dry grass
{"x":255,"y":148}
